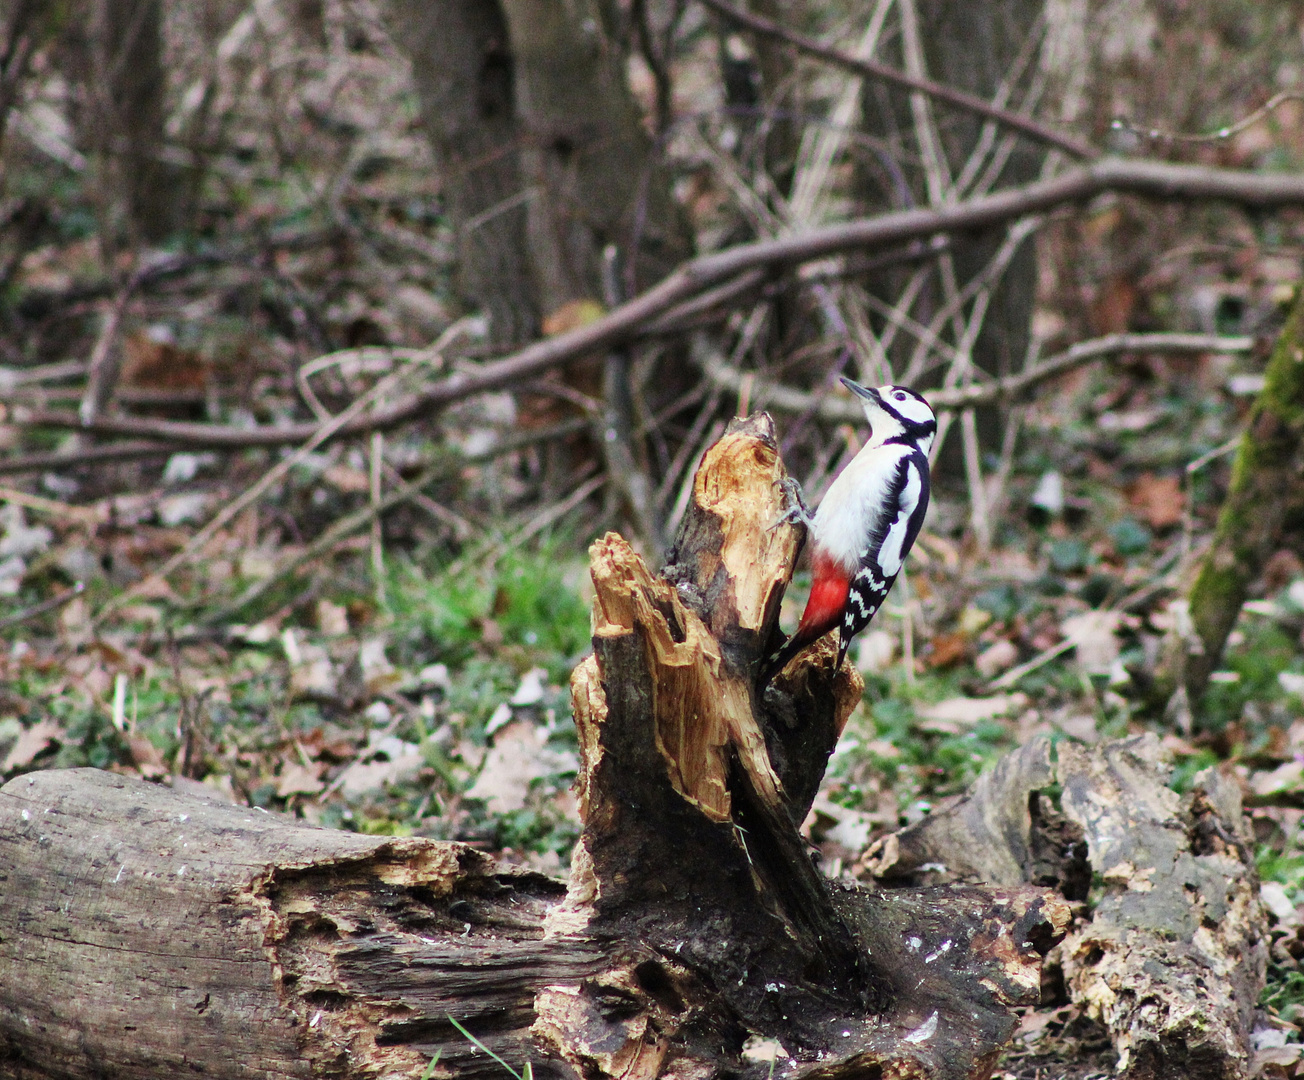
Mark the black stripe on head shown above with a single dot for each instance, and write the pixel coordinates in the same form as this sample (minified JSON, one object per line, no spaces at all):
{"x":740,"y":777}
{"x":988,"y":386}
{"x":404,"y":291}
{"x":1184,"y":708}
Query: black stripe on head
{"x":910,"y":409}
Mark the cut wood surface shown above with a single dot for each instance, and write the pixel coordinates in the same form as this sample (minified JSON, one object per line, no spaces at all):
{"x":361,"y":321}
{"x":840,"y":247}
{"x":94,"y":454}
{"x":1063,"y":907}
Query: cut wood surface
{"x":149,"y":933}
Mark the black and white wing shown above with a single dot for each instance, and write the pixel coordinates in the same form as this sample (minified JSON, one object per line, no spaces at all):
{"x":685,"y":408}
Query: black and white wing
{"x":890,"y":540}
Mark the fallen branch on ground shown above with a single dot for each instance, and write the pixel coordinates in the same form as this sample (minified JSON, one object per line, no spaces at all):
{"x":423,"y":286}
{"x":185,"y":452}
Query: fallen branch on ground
{"x":95,"y":455}
{"x":1170,"y":958}
{"x":1146,"y":178}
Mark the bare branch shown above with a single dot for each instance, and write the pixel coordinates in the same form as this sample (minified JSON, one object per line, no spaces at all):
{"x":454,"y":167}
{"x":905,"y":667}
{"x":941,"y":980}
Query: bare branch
{"x":876,"y":70}
{"x":785,"y":399}
{"x":1146,"y":178}
{"x":96,"y":455}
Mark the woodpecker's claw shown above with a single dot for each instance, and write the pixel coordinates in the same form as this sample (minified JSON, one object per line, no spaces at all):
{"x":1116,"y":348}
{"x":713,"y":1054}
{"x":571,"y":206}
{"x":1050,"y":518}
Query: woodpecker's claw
{"x":797,"y":513}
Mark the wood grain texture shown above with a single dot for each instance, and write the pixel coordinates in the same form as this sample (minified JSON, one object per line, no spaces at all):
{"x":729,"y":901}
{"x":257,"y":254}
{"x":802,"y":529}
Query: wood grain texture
{"x":147,"y":933}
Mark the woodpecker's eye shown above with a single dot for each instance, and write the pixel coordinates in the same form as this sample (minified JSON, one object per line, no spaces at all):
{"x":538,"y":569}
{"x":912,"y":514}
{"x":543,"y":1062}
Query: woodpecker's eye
{"x":899,"y":395}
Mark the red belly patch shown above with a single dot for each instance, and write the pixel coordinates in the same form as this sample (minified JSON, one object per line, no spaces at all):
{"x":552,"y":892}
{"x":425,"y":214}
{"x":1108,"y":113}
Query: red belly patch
{"x":828,"y":598}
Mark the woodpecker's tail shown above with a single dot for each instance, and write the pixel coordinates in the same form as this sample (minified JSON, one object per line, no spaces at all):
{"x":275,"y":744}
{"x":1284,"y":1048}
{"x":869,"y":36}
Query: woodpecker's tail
{"x":779,"y":658}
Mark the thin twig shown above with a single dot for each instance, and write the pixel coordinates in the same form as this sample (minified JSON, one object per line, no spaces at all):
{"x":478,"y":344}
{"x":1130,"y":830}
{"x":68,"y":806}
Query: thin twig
{"x":1040,"y":660}
{"x":337,"y":532}
{"x":106,"y":359}
{"x":1011,"y":387}
{"x":377,"y":532}
{"x":13,"y":377}
{"x":462,"y":529}
{"x":1158,"y":135}
{"x":36,"y":610}
{"x":84,"y":515}
{"x":273,"y":475}
{"x":360,"y":519}
{"x":95,"y":455}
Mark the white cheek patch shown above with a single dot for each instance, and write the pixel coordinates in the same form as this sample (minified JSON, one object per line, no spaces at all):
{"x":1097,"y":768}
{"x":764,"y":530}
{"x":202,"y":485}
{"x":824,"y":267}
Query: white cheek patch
{"x":889,"y":555}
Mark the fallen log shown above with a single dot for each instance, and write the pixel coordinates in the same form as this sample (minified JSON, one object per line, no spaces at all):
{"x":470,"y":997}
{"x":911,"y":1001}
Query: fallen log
{"x":147,"y":933}
{"x":1171,"y":956}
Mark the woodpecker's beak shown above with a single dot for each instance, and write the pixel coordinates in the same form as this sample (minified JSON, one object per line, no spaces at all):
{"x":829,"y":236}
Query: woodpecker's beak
{"x":863,"y":391}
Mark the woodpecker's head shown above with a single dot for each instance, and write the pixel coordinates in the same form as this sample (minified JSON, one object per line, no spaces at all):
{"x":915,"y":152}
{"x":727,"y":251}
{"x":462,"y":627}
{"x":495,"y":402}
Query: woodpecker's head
{"x":896,"y":413}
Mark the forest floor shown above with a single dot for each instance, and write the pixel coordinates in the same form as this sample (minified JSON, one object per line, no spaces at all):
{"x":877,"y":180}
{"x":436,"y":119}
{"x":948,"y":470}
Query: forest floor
{"x":437,"y":705}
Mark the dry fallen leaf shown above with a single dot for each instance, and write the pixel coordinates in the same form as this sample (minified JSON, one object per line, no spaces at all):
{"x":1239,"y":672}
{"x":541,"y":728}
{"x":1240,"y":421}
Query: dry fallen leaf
{"x":332,"y":619}
{"x":519,"y":756}
{"x":948,"y":650}
{"x":875,"y":651}
{"x":1095,"y":636}
{"x":377,"y":672}
{"x":1157,"y":500}
{"x":312,"y":674}
{"x":951,"y":716}
{"x":151,"y":362}
{"x":299,"y":779}
{"x":1285,"y":777}
{"x":404,"y":763}
{"x":996,"y":658}
{"x":347,"y":478}
{"x":571,"y":316}
{"x":31,"y":743}
{"x":147,"y":757}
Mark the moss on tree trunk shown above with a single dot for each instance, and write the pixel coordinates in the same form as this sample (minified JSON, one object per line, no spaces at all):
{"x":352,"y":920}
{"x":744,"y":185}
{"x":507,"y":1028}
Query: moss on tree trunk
{"x":1265,"y":483}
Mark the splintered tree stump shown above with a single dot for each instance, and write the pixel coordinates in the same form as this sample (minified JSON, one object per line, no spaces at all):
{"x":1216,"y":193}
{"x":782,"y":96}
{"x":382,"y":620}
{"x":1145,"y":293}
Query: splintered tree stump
{"x":146,"y":933}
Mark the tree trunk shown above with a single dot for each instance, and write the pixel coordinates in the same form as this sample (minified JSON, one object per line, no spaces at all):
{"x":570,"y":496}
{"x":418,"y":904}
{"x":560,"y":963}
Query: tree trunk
{"x":115,"y":53}
{"x":1171,"y":958}
{"x":1267,"y":482}
{"x":695,"y":939}
{"x":465,"y":78}
{"x":541,"y":153}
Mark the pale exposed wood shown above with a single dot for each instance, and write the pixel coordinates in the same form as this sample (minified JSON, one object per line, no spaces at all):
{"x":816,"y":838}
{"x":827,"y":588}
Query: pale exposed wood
{"x":847,"y":981}
{"x":701,"y":711}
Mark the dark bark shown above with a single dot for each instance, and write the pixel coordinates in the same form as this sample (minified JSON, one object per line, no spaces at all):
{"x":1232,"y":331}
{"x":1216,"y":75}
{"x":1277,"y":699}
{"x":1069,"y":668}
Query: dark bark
{"x":113,"y":51}
{"x":465,"y":76}
{"x":541,"y":151}
{"x":23,"y":27}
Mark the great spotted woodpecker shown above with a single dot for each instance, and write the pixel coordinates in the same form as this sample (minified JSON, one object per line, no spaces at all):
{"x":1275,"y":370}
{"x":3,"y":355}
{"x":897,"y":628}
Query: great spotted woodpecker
{"x":866,"y":522}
